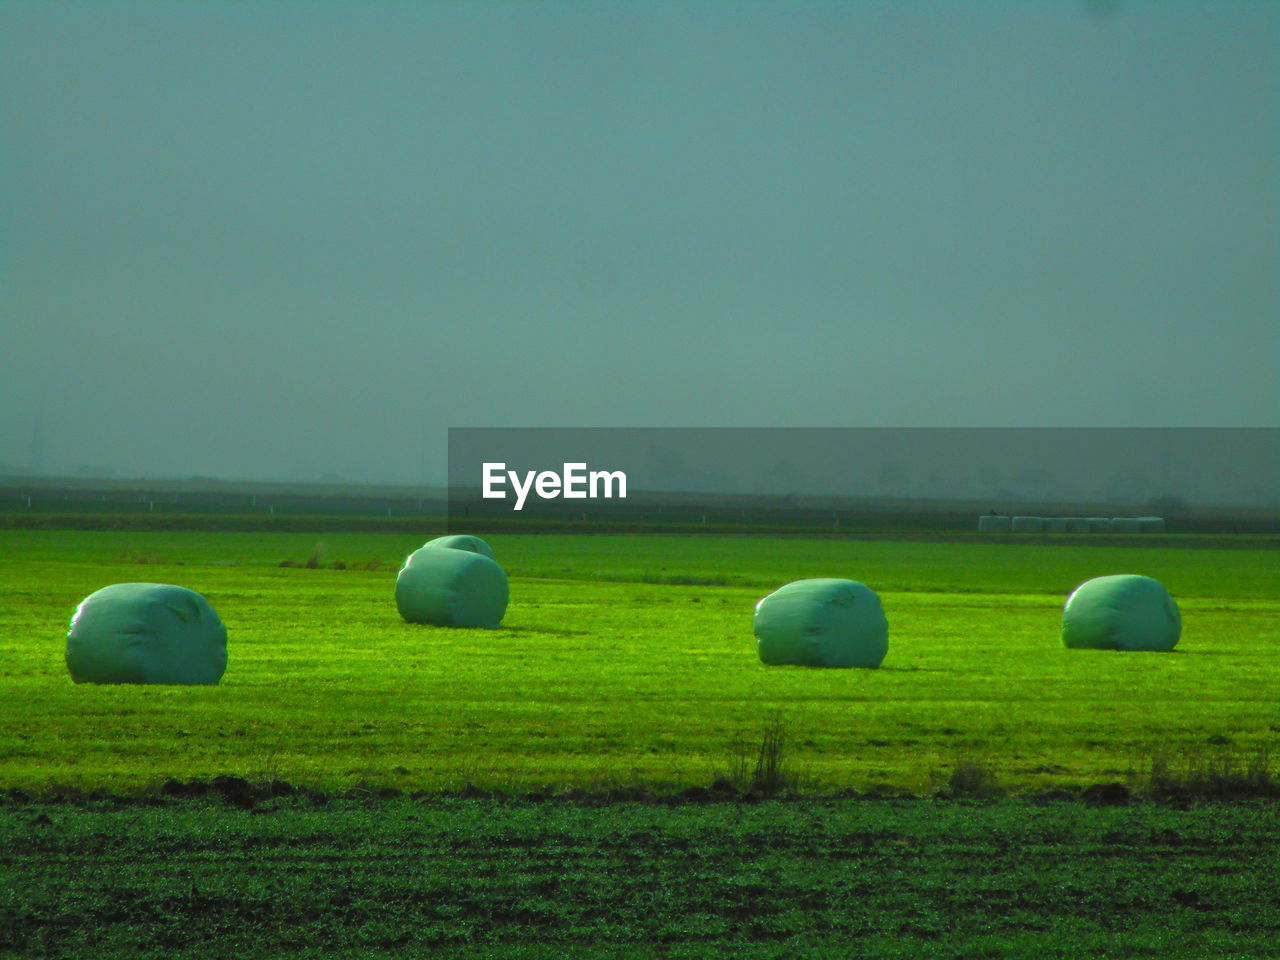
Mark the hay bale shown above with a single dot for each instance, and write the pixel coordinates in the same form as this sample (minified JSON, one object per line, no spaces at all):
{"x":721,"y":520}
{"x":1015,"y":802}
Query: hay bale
{"x":1077,"y":525}
{"x":1126,"y":525}
{"x":822,"y":623}
{"x":993,"y":524}
{"x":146,"y":633}
{"x":448,"y":587}
{"x":1122,"y":612}
{"x":463,"y":541}
{"x":1055,"y":524}
{"x":1100,"y":524}
{"x":1151,"y":524}
{"x":1028,"y":524}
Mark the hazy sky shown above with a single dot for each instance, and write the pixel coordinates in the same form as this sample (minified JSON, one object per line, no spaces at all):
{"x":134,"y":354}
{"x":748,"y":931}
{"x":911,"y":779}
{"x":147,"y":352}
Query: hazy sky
{"x":291,"y":239}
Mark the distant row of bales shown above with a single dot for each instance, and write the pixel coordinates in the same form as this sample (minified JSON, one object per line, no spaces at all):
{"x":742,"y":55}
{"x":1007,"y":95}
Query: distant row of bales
{"x":165,"y":634}
{"x":995,"y":523}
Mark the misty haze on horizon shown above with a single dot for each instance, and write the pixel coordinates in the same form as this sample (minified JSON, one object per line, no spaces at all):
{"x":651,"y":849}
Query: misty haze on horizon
{"x":1238,"y":466}
{"x":1159,"y":467}
{"x":303,"y":241}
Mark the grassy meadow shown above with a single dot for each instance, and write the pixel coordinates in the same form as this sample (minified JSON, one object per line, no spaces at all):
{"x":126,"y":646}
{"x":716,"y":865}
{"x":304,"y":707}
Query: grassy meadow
{"x":581,"y":781}
{"x":630,"y":662}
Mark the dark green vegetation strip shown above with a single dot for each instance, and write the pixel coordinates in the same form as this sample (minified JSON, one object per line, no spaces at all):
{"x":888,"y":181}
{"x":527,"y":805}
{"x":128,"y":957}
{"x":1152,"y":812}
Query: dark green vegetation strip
{"x":1218,"y":536}
{"x":484,"y":878}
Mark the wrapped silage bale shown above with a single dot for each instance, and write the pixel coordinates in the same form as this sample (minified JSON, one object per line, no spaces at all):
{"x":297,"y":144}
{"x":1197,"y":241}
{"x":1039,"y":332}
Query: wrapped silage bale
{"x":1055,"y":524}
{"x":1028,"y":524}
{"x":993,"y":524}
{"x":146,"y":633}
{"x":1151,"y":524}
{"x":1100,"y":524}
{"x":1126,"y":525}
{"x":822,"y":623}
{"x":463,"y":541}
{"x":448,"y":587}
{"x":1121,"y":612}
{"x":1077,"y":525}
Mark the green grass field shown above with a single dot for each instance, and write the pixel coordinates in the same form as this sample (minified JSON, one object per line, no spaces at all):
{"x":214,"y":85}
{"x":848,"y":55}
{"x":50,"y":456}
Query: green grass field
{"x":630,"y":661}
{"x":627,"y":665}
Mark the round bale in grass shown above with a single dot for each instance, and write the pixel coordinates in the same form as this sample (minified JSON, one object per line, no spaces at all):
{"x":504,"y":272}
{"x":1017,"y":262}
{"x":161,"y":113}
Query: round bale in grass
{"x":463,"y":541}
{"x":993,"y":523}
{"x":146,"y":633}
{"x":1055,"y":524}
{"x":451,"y":588}
{"x":1028,"y":524}
{"x":822,"y":623}
{"x":1122,"y":612}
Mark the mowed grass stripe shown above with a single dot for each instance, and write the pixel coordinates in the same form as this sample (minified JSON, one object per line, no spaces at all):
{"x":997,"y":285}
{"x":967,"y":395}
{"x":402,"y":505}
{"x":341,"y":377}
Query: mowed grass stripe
{"x":764,"y":562}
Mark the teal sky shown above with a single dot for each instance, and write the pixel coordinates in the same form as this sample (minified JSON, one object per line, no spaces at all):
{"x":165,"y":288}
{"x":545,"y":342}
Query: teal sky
{"x":295,"y":239}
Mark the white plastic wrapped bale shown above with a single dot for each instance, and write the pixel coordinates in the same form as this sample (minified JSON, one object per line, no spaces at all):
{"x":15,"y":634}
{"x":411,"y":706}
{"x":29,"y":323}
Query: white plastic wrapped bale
{"x":1151,"y":524}
{"x":451,"y":588}
{"x":822,"y":623}
{"x":146,"y":633}
{"x":1077,"y":525}
{"x":463,"y":541}
{"x":993,"y":524}
{"x":1100,"y":524}
{"x":1126,"y":525}
{"x":1055,"y":524}
{"x":1028,"y":524}
{"x":1121,"y":612}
